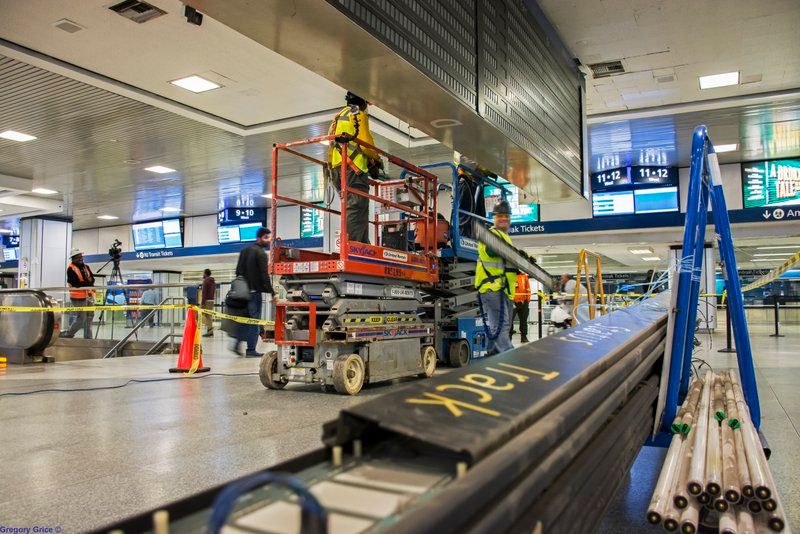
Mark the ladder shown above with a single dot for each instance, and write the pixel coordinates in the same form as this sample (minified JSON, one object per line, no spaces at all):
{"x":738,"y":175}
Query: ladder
{"x":705,"y":182}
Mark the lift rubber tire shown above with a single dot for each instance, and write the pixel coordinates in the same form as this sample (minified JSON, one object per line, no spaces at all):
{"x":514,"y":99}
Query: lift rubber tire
{"x":267,"y":368}
{"x":348,"y":374}
{"x":458,"y":353}
{"x":428,"y":357}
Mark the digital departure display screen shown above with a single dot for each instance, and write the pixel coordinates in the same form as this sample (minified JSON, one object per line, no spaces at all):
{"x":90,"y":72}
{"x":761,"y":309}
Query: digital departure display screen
{"x":521,"y":212}
{"x":10,"y":240}
{"x":242,"y":215}
{"x":157,"y":235}
{"x":10,"y":254}
{"x":613,"y":203}
{"x":311,"y":222}
{"x":771,"y":183}
{"x":236,"y":225}
{"x":635,"y":189}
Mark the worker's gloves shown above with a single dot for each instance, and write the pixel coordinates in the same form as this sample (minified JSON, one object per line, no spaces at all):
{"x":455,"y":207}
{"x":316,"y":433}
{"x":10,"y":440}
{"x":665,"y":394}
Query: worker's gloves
{"x":343,"y":139}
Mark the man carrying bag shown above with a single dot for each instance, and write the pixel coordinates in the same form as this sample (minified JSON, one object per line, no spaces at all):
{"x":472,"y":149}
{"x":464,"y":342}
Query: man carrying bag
{"x":245,"y":297}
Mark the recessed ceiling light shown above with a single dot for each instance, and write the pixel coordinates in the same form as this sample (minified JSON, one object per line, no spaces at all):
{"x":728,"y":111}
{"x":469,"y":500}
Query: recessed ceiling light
{"x":719,"y":149}
{"x":159,"y":169}
{"x":107,"y":217}
{"x":778,"y":247}
{"x":16,"y":136}
{"x":171,"y":209}
{"x":642,"y":250}
{"x":719,"y":80}
{"x":268,"y":195}
{"x":651,"y":258}
{"x":43,"y":191}
{"x":196,"y":84}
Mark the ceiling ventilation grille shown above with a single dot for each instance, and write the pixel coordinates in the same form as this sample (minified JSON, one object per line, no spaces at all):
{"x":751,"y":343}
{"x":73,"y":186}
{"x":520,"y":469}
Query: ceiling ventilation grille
{"x":609,"y":68}
{"x":137,"y":11}
{"x":68,"y":26}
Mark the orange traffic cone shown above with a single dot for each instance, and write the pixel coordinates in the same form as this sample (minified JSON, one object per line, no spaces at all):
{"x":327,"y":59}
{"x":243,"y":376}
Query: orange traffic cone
{"x":190,"y":358}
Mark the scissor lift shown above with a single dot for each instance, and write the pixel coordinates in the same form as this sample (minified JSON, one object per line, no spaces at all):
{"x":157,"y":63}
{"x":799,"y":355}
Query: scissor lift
{"x":353,"y":316}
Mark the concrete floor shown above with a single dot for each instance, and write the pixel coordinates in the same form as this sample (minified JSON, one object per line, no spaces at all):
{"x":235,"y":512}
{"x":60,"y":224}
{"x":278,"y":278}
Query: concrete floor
{"x":80,"y":460}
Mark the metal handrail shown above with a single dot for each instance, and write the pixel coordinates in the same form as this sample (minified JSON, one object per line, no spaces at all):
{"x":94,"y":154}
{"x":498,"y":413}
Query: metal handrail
{"x":104,"y":288}
{"x":116,"y":348}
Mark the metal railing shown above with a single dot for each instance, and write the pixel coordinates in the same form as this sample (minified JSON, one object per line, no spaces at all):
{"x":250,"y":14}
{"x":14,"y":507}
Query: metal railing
{"x":115,"y":350}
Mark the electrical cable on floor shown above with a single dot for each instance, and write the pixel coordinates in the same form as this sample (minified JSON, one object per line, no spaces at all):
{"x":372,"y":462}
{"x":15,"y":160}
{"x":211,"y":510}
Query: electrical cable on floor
{"x":118,"y":386}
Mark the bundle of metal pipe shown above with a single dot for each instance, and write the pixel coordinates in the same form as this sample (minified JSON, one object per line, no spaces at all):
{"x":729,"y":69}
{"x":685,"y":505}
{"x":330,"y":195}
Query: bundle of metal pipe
{"x":717,"y":466}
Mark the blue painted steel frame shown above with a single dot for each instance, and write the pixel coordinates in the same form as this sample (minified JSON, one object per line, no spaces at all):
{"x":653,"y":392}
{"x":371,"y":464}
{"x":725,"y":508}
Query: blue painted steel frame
{"x":704,"y":183}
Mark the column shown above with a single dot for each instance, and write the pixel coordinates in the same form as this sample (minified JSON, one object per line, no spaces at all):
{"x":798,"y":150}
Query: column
{"x":44,"y":247}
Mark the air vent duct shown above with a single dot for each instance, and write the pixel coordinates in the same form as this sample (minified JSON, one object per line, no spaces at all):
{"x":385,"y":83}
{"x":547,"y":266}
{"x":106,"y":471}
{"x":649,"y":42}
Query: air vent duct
{"x":139,"y":12}
{"x":609,"y":68}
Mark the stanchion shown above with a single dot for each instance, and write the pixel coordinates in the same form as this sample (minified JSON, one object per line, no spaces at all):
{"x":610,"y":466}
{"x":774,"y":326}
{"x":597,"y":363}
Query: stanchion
{"x":728,"y":347}
{"x":777,"y":322}
{"x":540,"y":314}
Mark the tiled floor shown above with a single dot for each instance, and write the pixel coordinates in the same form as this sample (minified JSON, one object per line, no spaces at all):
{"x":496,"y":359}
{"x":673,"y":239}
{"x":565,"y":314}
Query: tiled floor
{"x":80,"y":460}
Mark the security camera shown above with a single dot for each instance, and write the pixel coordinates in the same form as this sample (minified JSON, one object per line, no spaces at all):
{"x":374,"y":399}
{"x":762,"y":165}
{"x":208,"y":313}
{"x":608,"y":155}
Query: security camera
{"x":193,"y":16}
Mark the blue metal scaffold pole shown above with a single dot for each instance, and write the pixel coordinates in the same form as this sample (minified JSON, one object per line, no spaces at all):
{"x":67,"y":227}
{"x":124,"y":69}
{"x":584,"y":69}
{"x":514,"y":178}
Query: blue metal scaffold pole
{"x":705,"y":182}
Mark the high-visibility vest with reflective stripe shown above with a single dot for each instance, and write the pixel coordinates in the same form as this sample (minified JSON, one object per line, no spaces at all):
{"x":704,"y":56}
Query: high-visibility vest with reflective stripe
{"x":79,"y":293}
{"x":523,"y":291}
{"x":490,"y":271}
{"x":344,"y":123}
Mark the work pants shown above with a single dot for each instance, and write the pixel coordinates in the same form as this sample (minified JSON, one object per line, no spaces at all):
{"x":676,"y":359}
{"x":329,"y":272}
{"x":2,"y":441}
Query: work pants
{"x":207,"y":318}
{"x":357,"y":224}
{"x":249,"y":332}
{"x":521,"y":311}
{"x":498,"y":308}
{"x":83,"y":320}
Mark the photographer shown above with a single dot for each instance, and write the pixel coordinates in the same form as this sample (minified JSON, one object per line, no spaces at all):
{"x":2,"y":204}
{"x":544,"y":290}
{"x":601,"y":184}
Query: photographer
{"x":80,"y":275}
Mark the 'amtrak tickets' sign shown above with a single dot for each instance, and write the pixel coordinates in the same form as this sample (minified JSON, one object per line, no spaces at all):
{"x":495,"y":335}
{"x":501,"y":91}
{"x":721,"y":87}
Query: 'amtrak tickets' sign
{"x":654,"y":220}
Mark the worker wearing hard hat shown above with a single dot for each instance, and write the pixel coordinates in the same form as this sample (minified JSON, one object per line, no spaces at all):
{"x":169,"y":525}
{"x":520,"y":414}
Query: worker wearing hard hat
{"x":352,"y":122}
{"x":79,"y":275}
{"x":496,"y":284}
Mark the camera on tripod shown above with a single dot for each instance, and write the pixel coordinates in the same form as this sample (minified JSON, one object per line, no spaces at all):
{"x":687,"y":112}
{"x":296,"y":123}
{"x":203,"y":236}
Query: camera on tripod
{"x":116,"y":250}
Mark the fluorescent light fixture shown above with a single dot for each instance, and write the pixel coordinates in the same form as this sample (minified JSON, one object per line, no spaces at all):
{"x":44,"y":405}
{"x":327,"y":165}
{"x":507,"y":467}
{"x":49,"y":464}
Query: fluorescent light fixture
{"x":779,"y":247}
{"x":642,"y":250}
{"x":719,"y":149}
{"x":171,"y":209}
{"x":160,"y":169}
{"x":779,"y":254}
{"x":43,"y":191}
{"x":773,"y":260}
{"x":11,"y":135}
{"x":107,"y":217}
{"x":719,"y":80}
{"x":268,"y":195}
{"x":6,"y":231}
{"x":651,"y":258}
{"x":196,"y":84}
{"x":569,"y":262}
{"x":326,"y":143}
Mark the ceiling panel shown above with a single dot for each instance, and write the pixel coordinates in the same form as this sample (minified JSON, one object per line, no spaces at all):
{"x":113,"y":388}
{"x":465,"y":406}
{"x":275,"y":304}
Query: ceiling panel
{"x":93,"y":146}
{"x":681,"y":38}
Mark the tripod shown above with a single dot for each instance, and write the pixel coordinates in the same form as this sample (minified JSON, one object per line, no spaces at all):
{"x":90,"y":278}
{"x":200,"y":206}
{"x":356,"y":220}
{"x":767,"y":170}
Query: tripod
{"x":115,"y":279}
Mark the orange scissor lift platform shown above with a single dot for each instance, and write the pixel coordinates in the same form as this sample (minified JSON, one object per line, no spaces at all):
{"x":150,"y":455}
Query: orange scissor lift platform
{"x":353,"y":316}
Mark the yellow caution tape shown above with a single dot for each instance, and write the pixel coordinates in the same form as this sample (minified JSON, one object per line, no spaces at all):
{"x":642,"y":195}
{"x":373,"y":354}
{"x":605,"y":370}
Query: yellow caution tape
{"x":121,"y":307}
{"x":774,"y":273}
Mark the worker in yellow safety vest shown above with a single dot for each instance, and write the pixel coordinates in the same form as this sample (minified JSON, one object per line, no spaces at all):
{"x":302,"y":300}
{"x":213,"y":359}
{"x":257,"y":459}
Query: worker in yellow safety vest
{"x":350,"y":123}
{"x":496,"y":283}
{"x":80,"y":275}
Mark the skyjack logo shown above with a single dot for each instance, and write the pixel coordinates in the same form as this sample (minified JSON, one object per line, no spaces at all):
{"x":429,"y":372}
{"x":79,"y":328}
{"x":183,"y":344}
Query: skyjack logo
{"x":362,"y":250}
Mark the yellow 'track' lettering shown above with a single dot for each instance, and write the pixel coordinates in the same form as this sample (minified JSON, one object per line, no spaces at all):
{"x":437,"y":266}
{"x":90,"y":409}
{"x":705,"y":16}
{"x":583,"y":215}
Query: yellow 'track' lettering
{"x":453,"y":405}
{"x":486,"y":382}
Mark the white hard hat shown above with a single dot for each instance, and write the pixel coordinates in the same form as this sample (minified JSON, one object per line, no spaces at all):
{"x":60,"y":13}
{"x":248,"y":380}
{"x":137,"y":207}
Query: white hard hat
{"x":75,"y":252}
{"x":558,"y":315}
